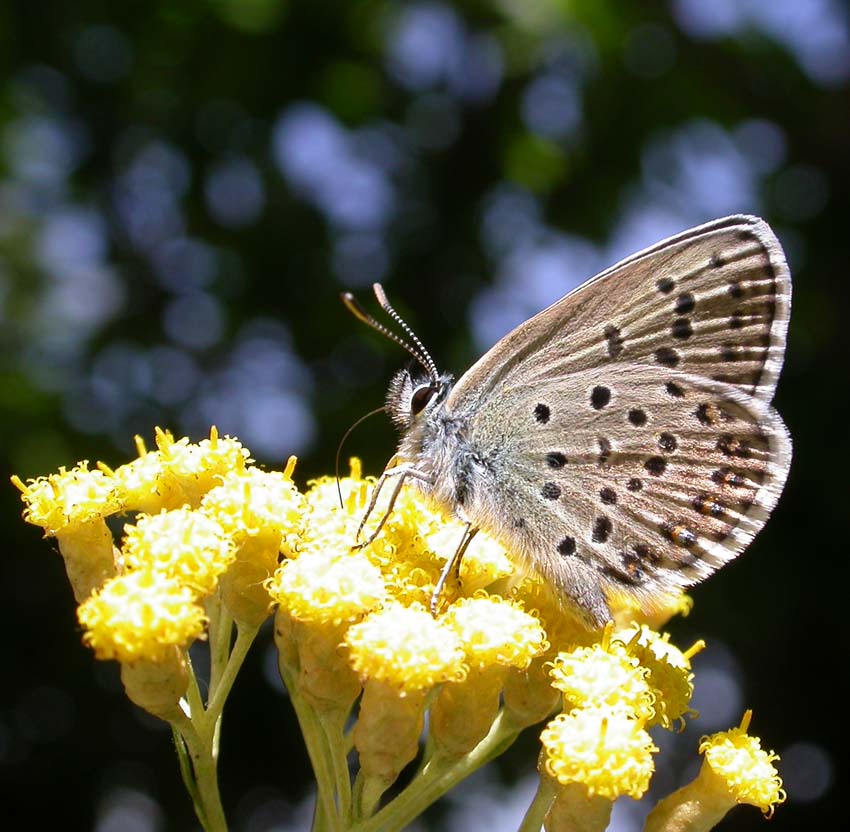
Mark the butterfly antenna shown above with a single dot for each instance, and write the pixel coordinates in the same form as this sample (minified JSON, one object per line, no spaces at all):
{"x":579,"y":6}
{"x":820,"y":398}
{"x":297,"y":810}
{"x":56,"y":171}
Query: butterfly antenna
{"x":423,"y":355}
{"x":342,"y":442}
{"x":417,"y":350}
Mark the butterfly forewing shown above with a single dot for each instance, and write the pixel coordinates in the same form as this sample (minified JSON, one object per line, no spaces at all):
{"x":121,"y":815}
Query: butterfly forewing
{"x":713,"y":301}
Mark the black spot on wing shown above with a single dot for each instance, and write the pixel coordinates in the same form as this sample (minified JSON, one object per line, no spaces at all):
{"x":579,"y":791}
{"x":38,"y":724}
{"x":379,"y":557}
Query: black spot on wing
{"x":681,"y":329}
{"x":567,"y":547}
{"x":667,"y":356}
{"x":656,"y":465}
{"x":685,"y":303}
{"x":599,"y":397}
{"x":550,"y":491}
{"x":614,"y":340}
{"x":608,"y":496}
{"x":602,"y":527}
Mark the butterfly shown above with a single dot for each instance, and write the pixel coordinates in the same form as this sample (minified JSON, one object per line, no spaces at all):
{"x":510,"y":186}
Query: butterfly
{"x":621,"y":442}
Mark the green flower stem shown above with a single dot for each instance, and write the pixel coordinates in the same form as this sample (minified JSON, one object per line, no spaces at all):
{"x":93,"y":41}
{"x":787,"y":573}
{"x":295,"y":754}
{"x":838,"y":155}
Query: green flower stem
{"x":536,"y":813}
{"x":186,"y":773}
{"x":220,"y":632}
{"x":333,"y":724}
{"x":220,"y":687}
{"x":439,"y":776}
{"x":367,"y":795}
{"x":326,"y":816}
{"x":193,"y":699}
{"x":197,"y":733}
{"x":202,"y":772}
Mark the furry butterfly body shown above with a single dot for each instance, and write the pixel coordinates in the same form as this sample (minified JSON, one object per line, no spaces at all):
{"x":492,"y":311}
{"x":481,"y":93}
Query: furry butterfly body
{"x":621,"y":442}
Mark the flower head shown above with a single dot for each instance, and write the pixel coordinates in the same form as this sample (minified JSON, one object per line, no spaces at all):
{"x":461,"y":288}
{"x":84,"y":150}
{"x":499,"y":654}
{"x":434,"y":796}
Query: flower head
{"x":140,"y":615}
{"x":184,"y":544}
{"x":328,"y":586}
{"x":179,"y":472}
{"x":325,"y":520}
{"x":68,"y":498}
{"x":495,"y":632}
{"x":405,"y":647}
{"x":606,"y":750}
{"x":668,"y":673}
{"x":251,"y":502}
{"x":746,"y":769}
{"x":603,"y":675}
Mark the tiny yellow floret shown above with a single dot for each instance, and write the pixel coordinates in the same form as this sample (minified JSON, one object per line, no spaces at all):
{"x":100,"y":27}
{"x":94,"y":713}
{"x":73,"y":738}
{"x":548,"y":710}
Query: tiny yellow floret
{"x":68,"y":498}
{"x":496,"y":632}
{"x":745,"y":767}
{"x":253,"y":502}
{"x":183,"y":544}
{"x":669,"y":673}
{"x":328,"y":586}
{"x":140,"y":615}
{"x":405,"y":647}
{"x":603,"y":675}
{"x":606,"y":750}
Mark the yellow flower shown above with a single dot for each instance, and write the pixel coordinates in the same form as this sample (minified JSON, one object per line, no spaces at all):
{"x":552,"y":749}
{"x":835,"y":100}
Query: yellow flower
{"x":140,"y":615}
{"x":179,"y":473}
{"x":183,"y":544}
{"x":746,"y":769}
{"x":329,"y":586}
{"x":68,"y":498}
{"x":144,"y":484}
{"x":250,"y":502}
{"x":603,"y":675}
{"x":417,"y":523}
{"x":493,"y":631}
{"x":328,"y":522}
{"x":73,"y":506}
{"x":406,"y":648}
{"x":669,"y":673}
{"x":199,"y":467}
{"x":496,"y":636}
{"x":604,"y":749}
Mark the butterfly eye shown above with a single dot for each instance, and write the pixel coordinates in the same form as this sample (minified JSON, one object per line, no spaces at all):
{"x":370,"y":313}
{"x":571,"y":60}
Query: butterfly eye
{"x":421,"y":396}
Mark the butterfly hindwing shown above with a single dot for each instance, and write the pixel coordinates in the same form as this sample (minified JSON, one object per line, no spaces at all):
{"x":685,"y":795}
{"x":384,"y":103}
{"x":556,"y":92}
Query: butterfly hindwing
{"x":651,"y":483}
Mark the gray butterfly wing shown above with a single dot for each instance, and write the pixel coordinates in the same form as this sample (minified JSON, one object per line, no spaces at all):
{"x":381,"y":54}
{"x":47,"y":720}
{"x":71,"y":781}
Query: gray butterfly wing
{"x":713,"y":301}
{"x":640,"y":491}
{"x":626,"y":432}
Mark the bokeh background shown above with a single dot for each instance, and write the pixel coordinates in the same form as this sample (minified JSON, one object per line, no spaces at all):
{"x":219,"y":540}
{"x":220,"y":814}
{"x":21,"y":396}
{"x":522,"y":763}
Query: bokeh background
{"x":186,"y":187}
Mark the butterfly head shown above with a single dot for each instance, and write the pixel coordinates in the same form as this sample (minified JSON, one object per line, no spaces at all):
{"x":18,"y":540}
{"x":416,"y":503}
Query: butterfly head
{"x":413,"y":394}
{"x":412,"y":397}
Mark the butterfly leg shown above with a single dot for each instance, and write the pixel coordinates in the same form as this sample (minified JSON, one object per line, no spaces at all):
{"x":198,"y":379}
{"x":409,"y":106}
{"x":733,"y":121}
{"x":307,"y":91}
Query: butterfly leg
{"x":452,"y":567}
{"x":402,"y":472}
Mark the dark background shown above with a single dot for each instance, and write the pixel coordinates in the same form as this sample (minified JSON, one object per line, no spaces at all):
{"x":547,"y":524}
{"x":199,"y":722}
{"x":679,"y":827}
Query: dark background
{"x":186,"y":187}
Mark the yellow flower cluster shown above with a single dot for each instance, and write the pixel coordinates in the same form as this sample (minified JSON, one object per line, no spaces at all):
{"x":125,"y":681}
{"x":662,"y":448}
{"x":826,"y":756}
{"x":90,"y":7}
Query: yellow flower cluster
{"x":212,"y":531}
{"x":201,"y":512}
